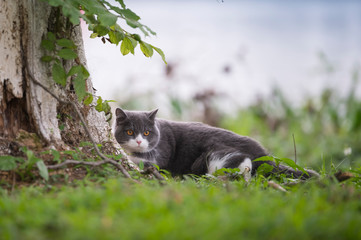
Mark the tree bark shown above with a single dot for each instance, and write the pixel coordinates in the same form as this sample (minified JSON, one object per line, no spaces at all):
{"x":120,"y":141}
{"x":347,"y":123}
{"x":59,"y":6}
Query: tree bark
{"x":25,"y":106}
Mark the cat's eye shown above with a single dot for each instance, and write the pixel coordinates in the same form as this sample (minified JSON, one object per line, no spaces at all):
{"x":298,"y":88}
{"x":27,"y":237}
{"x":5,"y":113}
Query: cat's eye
{"x":146,"y":133}
{"x":130,"y":132}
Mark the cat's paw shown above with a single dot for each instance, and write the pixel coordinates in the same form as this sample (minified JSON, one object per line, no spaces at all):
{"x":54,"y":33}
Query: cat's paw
{"x":246,"y":169}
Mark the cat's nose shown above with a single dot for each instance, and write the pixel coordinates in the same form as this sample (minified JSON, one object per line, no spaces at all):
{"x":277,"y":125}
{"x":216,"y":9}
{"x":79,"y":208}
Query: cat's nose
{"x":139,"y":142}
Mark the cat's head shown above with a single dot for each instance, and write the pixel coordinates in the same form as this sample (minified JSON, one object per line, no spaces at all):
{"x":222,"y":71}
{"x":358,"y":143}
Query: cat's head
{"x":136,"y":131}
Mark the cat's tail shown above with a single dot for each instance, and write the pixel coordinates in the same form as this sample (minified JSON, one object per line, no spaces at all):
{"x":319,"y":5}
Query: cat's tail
{"x":282,"y":169}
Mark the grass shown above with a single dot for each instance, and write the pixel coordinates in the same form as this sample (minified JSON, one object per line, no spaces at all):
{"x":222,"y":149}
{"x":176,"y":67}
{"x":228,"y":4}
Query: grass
{"x":103,"y":205}
{"x":327,"y":128}
{"x":187,"y":209}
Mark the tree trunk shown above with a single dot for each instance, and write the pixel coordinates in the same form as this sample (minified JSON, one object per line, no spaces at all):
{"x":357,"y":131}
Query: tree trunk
{"x":24,"y":105}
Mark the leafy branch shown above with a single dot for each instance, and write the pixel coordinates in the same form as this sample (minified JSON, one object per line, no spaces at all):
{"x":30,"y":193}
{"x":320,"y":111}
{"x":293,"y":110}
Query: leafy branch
{"x":102,"y":17}
{"x":59,"y":50}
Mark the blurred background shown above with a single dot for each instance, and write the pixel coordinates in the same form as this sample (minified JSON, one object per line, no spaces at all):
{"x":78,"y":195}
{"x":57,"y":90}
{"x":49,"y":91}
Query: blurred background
{"x":269,"y":69}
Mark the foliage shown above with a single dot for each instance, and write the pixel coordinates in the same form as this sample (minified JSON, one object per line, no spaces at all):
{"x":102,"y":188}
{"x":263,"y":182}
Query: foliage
{"x":326,"y":128}
{"x":25,"y":167}
{"x":187,"y":209}
{"x":101,"y":17}
{"x":64,"y":49}
{"x":8,"y":163}
{"x":104,"y":205}
{"x":59,"y":50}
{"x":284,"y":161}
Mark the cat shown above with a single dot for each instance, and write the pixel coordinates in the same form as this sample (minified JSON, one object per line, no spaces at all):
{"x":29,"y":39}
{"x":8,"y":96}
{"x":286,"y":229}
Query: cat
{"x":190,"y":147}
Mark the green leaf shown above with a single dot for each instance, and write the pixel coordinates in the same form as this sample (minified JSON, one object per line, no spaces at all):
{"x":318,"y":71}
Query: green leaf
{"x":85,"y":144}
{"x":135,"y":24}
{"x":94,"y":35}
{"x":48,"y":45}
{"x":264,"y":168}
{"x":106,"y":18}
{"x":126,"y":46}
{"x":85,"y":72}
{"x":146,"y":49}
{"x":8,"y":163}
{"x":121,"y":3}
{"x":101,"y":30}
{"x":99,"y":106}
{"x":292,"y":164}
{"x":116,"y":36}
{"x":264,"y":158}
{"x":67,"y":54}
{"x":89,"y":99}
{"x":90,"y":18}
{"x":108,"y":101}
{"x":136,"y":37}
{"x":32,"y":159}
{"x":79,"y":84}
{"x":134,"y":42}
{"x":43,"y":170}
{"x":141,"y":165}
{"x":46,"y":58}
{"x":59,"y":74}
{"x":65,"y":43}
{"x":226,"y":171}
{"x":56,"y":155}
{"x":74,"y":70}
{"x":106,"y":107}
{"x":160,"y":52}
{"x":129,"y":14}
{"x":51,"y":36}
{"x":150,"y":30}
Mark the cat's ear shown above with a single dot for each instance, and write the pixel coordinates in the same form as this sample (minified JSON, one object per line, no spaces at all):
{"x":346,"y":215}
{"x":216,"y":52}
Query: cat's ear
{"x":152,"y":114}
{"x":120,"y":114}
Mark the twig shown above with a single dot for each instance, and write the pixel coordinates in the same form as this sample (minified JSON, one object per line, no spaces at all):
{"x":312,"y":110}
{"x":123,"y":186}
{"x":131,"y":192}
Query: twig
{"x":276,"y":186}
{"x":156,"y":174}
{"x":299,"y":181}
{"x":294,"y":145}
{"x":94,"y":164}
{"x":106,"y":160}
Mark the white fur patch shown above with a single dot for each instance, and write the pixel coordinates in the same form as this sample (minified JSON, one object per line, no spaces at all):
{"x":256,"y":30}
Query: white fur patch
{"x":216,"y":163}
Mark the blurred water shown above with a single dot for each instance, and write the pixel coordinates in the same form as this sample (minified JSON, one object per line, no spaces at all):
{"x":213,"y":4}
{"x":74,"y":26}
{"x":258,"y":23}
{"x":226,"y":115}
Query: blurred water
{"x":240,"y":48}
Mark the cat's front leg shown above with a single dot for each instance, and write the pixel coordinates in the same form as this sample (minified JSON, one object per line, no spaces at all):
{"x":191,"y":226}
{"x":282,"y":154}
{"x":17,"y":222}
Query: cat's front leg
{"x":141,"y":161}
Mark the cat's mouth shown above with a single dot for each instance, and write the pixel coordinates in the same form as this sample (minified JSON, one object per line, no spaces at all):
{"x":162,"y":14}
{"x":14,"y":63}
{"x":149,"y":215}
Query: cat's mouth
{"x":134,"y":147}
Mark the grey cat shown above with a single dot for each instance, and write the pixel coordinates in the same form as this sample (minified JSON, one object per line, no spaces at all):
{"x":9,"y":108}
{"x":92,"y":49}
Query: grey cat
{"x":189,"y":148}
